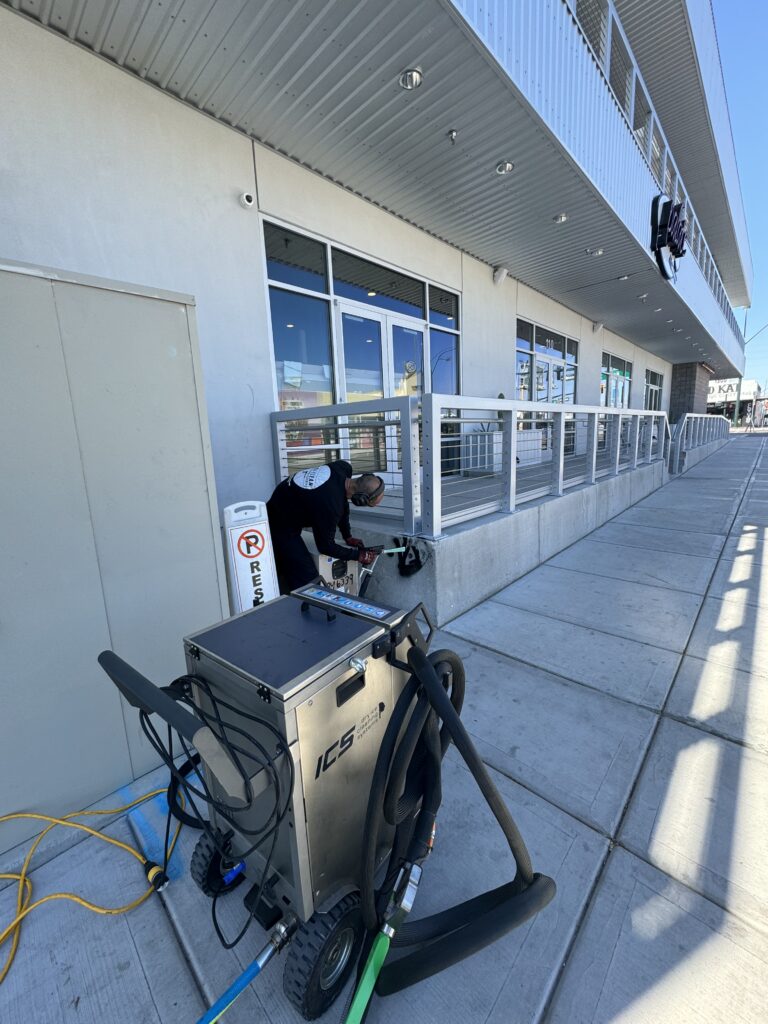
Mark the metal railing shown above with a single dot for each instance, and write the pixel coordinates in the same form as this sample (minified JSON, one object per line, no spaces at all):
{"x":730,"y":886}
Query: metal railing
{"x":693,"y":431}
{"x":380,"y":436}
{"x":604,"y":34}
{"x":448,"y":459}
{"x":490,"y":455}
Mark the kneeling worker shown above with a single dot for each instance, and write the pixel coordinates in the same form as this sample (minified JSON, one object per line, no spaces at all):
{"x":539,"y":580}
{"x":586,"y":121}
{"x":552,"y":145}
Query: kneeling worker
{"x":318,"y":499}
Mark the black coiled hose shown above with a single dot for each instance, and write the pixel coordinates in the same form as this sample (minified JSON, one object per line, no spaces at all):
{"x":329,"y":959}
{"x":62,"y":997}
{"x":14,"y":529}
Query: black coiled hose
{"x":406,"y":793}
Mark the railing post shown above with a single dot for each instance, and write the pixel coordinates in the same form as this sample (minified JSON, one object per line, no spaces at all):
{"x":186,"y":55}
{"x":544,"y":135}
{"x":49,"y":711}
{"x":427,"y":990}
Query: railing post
{"x":409,"y":453}
{"x":634,"y":440}
{"x":509,"y":461}
{"x":558,"y":453}
{"x":648,"y":425}
{"x":278,"y":449}
{"x":591,"y":447}
{"x":615,"y":421}
{"x":431,"y":511}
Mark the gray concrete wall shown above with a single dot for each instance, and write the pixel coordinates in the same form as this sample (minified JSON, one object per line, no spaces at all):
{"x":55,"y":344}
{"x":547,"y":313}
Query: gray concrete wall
{"x":695,"y":456}
{"x":476,"y":559}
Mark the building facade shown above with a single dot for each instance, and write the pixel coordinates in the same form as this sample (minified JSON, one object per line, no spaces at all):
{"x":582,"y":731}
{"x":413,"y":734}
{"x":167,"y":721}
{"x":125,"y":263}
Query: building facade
{"x":214,"y":215}
{"x":443,"y":196}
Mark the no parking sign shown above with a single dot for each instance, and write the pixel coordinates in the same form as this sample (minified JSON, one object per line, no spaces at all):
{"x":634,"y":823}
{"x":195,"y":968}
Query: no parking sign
{"x":250,"y":560}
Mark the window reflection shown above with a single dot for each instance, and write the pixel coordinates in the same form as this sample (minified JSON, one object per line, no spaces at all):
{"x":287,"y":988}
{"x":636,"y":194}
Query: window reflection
{"x":302,"y":340}
{"x":443,"y":308}
{"x":408,"y":359}
{"x":362,"y":358}
{"x":542,"y":381}
{"x":444,"y":362}
{"x":376,"y":285}
{"x":294,"y":259}
{"x":523,"y":377}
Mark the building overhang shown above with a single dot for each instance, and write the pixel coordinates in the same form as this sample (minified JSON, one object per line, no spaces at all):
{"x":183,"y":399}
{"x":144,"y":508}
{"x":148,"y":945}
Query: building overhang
{"x":692,"y":105}
{"x":319,"y":83}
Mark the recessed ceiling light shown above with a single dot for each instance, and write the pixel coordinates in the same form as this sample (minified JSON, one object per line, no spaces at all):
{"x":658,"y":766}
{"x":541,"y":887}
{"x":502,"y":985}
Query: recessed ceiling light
{"x":624,"y":277}
{"x":369,"y":341}
{"x":657,"y":310}
{"x":371,"y":294}
{"x":677,"y":330}
{"x":594,"y":252}
{"x":687,"y":337}
{"x":289,"y":325}
{"x":504,"y":167}
{"x":670,"y":321}
{"x":410,"y":79}
{"x":560,"y":218}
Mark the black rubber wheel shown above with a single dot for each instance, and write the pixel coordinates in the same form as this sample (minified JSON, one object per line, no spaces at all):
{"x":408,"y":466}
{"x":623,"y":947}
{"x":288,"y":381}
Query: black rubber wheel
{"x":321,"y":955}
{"x":208,"y":867}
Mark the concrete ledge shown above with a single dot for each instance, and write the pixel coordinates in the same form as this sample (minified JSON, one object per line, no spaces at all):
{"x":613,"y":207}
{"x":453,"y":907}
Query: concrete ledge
{"x":476,"y":559}
{"x":696,"y":455}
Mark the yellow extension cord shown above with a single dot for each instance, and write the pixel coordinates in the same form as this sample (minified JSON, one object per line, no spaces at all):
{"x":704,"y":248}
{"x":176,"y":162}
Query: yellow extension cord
{"x":24,"y":905}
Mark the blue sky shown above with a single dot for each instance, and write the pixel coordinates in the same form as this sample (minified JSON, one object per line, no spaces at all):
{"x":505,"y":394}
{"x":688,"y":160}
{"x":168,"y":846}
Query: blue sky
{"x":742,"y":31}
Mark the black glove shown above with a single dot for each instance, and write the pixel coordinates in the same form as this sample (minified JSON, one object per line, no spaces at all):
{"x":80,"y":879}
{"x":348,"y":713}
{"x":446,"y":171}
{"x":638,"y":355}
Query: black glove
{"x":354,"y":542}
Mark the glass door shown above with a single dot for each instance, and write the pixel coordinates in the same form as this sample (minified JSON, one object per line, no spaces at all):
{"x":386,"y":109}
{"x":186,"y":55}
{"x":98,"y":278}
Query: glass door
{"x":383,"y":357}
{"x":363,"y":379}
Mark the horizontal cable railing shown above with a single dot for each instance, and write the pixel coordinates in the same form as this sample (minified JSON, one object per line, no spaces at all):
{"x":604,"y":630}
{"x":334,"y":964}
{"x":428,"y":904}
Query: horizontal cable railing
{"x":379,"y":436}
{"x":693,"y":431}
{"x":449,"y":458}
{"x":491,"y":455}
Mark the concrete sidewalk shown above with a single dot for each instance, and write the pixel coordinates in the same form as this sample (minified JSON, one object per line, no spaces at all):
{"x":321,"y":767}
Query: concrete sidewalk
{"x":620,"y":695}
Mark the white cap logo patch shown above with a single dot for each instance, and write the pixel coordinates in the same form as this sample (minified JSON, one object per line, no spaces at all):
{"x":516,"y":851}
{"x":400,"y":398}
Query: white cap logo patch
{"x":311,"y":479}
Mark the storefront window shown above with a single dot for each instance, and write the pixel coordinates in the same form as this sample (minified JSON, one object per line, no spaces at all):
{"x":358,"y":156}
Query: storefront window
{"x":302,"y":339}
{"x":523,"y":377}
{"x":295,"y":259}
{"x":443,"y":308}
{"x":654,"y":382}
{"x":375,"y":285}
{"x":551,"y":371}
{"x":363,"y":372}
{"x":444,"y":362}
{"x":323,"y":341}
{"x":615,"y":382}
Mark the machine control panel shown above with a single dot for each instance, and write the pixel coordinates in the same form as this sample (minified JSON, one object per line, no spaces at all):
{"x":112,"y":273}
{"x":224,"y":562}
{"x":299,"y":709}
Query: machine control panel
{"x":338,"y":601}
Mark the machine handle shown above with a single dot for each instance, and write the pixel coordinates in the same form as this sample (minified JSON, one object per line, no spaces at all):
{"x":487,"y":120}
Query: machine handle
{"x":144,"y":695}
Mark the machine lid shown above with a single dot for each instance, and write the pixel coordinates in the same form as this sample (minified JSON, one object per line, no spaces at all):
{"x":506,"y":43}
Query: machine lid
{"x":282,"y":647}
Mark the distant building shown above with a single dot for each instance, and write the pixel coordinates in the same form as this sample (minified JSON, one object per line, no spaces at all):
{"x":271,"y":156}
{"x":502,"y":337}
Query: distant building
{"x":722,"y":396}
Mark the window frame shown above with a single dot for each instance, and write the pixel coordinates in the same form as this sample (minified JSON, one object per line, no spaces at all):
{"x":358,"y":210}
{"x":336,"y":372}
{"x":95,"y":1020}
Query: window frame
{"x":604,"y":395}
{"x":552,"y":361}
{"x":337,"y":341}
{"x":653,"y":388}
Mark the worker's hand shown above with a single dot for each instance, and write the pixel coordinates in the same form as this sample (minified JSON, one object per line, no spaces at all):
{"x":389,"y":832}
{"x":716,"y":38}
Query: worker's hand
{"x":355,"y":542}
{"x":366,"y":556}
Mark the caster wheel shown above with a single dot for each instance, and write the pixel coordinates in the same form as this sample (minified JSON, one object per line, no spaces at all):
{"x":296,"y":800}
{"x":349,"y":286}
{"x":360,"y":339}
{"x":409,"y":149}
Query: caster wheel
{"x":321,"y":956}
{"x":208,"y":867}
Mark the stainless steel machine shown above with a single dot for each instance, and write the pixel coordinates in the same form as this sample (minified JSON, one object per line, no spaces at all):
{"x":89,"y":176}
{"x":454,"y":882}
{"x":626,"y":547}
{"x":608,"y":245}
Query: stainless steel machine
{"x":314,"y":668}
{"x":318,"y":723}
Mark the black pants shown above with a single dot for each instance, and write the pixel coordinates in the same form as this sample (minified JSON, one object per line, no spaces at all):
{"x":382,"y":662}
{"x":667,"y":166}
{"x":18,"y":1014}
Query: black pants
{"x":295,"y":566}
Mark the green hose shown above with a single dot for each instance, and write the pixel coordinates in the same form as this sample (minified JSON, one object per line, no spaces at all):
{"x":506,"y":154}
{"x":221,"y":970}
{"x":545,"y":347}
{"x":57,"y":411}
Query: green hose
{"x":364,"y":991}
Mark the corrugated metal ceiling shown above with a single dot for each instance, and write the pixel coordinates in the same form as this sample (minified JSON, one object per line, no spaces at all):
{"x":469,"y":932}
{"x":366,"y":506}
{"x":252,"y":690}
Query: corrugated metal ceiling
{"x":317,"y":81}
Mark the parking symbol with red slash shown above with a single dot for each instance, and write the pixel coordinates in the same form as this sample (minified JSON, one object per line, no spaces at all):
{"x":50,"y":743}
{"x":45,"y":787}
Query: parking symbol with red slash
{"x":250,"y":543}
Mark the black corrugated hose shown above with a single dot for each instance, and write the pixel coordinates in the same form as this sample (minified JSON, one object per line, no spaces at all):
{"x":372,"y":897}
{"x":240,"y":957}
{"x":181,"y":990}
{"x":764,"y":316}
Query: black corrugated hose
{"x":406,"y":793}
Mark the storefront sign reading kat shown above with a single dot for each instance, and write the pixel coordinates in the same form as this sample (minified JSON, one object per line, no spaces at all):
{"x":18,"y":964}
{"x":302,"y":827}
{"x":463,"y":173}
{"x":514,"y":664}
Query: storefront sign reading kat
{"x":668,"y":235}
